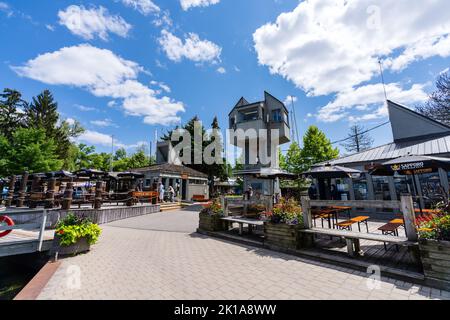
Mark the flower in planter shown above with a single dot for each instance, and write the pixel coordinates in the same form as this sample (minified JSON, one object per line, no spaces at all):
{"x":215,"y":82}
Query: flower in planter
{"x":72,"y":228}
{"x":436,"y":229}
{"x":287,"y":212}
{"x":213,"y":209}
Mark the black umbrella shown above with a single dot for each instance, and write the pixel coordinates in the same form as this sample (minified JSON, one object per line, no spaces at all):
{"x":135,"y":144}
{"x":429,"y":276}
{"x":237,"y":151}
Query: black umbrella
{"x":411,"y":165}
{"x":59,"y":174}
{"x":329,"y":171}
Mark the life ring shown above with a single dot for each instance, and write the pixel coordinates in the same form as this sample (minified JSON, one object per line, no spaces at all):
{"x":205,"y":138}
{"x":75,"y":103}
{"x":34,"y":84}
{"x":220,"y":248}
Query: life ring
{"x":9,"y":222}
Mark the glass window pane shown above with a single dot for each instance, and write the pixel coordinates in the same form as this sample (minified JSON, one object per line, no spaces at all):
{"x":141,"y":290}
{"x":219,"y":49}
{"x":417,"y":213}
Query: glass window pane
{"x":360,"y":188}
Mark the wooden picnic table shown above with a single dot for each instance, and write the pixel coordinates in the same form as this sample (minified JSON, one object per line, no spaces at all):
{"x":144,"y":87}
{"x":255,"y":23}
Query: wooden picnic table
{"x":242,"y":220}
{"x":343,"y":208}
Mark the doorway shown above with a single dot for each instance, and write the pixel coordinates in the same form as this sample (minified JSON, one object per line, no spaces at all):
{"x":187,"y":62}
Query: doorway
{"x":183,"y":189}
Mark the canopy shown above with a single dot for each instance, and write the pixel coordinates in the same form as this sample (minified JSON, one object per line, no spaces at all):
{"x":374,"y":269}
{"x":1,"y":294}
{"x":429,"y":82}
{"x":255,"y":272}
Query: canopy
{"x":60,"y":174}
{"x":411,"y":165}
{"x":130,"y":175}
{"x":330,"y":172}
{"x":89,"y":173}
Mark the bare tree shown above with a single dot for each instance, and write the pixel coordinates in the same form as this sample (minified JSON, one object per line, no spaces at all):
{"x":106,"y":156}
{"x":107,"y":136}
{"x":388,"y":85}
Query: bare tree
{"x":438,"y":105}
{"x":358,"y":139}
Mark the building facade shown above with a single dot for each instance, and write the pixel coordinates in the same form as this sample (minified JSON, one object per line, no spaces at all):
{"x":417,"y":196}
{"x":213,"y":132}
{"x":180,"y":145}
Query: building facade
{"x":189,"y":184}
{"x":413,"y":134}
{"x":257,"y":120}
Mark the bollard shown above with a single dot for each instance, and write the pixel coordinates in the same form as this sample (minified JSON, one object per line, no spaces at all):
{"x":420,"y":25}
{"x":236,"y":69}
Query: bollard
{"x":35,"y":192}
{"x":12,"y":183}
{"x":68,"y":196}
{"x":22,"y":190}
{"x":50,"y":195}
{"x":98,"y":195}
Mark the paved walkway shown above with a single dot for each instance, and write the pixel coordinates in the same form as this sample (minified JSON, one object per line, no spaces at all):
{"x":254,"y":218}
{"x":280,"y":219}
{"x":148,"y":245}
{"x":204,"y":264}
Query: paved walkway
{"x":160,"y":257}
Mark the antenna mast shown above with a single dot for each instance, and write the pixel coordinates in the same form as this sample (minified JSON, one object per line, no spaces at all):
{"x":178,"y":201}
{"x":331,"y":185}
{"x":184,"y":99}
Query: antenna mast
{"x":295,"y":128}
{"x":382,"y":78}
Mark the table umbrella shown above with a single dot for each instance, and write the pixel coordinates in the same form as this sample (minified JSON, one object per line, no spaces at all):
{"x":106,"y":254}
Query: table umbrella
{"x":329,"y":171}
{"x":411,"y":165}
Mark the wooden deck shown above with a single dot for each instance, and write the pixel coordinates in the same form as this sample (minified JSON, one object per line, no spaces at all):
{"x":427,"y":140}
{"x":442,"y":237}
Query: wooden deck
{"x":374,"y":252}
{"x":24,"y":241}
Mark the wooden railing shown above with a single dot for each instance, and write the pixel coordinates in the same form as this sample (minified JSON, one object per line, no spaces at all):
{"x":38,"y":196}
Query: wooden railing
{"x":405,"y":205}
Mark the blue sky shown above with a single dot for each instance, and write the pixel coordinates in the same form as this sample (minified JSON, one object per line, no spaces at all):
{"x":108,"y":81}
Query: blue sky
{"x":128,"y":67}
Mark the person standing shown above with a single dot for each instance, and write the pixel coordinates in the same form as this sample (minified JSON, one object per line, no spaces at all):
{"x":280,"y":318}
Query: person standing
{"x":161,"y":192}
{"x":171,"y":193}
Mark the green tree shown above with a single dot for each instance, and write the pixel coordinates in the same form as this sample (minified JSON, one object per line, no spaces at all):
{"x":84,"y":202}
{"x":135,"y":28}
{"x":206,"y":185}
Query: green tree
{"x":42,"y":113}
{"x":293,"y":161}
{"x":317,"y":147}
{"x":29,"y":150}
{"x":11,"y":112}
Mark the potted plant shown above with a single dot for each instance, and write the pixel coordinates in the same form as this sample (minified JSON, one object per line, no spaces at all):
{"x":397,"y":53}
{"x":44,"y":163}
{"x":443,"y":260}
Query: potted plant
{"x":210,"y":217}
{"x":282,"y":224}
{"x":75,"y":235}
{"x":434,"y":246}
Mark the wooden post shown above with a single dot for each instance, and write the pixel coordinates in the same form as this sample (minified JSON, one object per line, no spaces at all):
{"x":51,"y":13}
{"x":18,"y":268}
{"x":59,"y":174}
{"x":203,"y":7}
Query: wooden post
{"x":22,"y":190}
{"x":306,"y":207}
{"x":409,"y":217}
{"x":98,"y":195}
{"x":68,"y":196}
{"x":12,"y":183}
{"x":223,"y":204}
{"x":50,"y":195}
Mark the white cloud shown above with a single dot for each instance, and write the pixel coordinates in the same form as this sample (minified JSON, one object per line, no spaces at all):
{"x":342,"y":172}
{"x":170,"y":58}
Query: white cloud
{"x":326,"y":47}
{"x":104,"y":74}
{"x":84,"y":108}
{"x":237,"y":69}
{"x":70,"y":121}
{"x":103,"y":123}
{"x":94,"y":137}
{"x":366,"y":98}
{"x":288,"y":100}
{"x":89,"y":23}
{"x":50,"y":27}
{"x":143,"y":6}
{"x":193,"y":48}
{"x":186,"y":4}
{"x":221,"y":70}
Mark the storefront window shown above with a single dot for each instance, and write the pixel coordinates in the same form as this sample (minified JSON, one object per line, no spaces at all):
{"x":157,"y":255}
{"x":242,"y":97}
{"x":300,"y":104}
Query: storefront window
{"x":381,"y":188}
{"x":432,"y":190}
{"x":404,"y":185}
{"x":360,"y":188}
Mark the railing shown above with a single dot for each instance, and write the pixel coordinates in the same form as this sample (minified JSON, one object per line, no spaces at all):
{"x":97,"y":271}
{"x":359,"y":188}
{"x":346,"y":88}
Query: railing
{"x":40,"y":225}
{"x":405,"y":205}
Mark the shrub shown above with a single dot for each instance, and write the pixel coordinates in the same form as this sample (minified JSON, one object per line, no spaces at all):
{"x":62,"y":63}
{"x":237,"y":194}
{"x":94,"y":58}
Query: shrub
{"x":288,"y":212}
{"x":72,"y":228}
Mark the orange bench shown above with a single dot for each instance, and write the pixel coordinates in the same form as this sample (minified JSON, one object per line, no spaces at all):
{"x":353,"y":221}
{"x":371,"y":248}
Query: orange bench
{"x":199,"y":198}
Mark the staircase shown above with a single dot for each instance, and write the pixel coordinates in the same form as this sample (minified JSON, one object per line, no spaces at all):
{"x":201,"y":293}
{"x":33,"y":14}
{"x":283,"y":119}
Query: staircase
{"x":170,"y":206}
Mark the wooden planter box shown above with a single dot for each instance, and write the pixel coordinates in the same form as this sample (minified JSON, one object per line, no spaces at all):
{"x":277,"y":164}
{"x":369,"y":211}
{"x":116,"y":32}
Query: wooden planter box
{"x":435,"y":256}
{"x":211,"y":223}
{"x":79,"y":247}
{"x":282,"y":235}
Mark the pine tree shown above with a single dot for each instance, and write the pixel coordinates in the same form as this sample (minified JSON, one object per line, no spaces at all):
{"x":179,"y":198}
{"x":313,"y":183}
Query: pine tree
{"x":317,"y":147}
{"x":358,"y":139}
{"x":11,"y":118}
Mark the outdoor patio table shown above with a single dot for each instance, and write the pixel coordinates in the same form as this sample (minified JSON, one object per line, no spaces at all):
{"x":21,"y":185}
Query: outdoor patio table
{"x":342,"y":209}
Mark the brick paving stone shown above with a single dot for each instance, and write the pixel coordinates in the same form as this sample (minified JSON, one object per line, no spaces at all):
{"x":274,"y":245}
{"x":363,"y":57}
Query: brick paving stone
{"x":160,"y":257}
